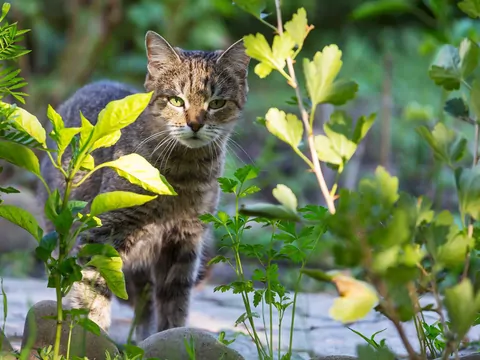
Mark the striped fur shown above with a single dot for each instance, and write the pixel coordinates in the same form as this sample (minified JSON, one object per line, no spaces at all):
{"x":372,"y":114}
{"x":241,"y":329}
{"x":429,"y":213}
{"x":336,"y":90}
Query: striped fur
{"x":162,"y":242}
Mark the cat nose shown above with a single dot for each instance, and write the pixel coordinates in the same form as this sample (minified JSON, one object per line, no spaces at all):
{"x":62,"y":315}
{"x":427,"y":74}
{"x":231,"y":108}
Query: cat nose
{"x":194,"y":125}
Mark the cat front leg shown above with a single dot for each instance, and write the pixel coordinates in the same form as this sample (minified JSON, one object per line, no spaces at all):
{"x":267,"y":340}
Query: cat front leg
{"x":93,"y":294}
{"x":175,"y":273}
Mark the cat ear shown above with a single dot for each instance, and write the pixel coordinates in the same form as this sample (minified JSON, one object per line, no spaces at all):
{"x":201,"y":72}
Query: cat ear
{"x":159,"y":52}
{"x":235,"y":57}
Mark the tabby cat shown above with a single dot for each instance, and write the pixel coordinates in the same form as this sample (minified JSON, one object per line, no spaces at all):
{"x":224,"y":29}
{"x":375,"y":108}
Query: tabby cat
{"x":198,"y":97}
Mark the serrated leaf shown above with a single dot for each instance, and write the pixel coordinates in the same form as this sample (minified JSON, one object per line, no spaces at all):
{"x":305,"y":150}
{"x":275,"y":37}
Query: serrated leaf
{"x":227,"y":185}
{"x":254,"y":7}
{"x":470,"y":7}
{"x":446,"y":144}
{"x":119,"y":114}
{"x":457,"y":108}
{"x":247,"y":172}
{"x":298,"y":28}
{"x":114,"y":200}
{"x":445,"y":70}
{"x":320,"y":75}
{"x":468,"y":187}
{"x":357,"y":299}
{"x":139,"y":171}
{"x":325,"y":151}
{"x":286,"y":197}
{"x":20,"y":156}
{"x":22,"y":218}
{"x":110,"y":268}
{"x":287,"y":127}
{"x":257,"y":47}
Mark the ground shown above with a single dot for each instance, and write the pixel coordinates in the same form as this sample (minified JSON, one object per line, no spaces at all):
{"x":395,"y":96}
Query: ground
{"x":315,"y":332}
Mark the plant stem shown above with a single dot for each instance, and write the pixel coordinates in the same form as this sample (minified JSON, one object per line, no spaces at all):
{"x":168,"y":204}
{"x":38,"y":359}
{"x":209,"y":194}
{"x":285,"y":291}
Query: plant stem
{"x":311,"y":141}
{"x":69,"y":339}
{"x":269,"y":284}
{"x":294,"y":306}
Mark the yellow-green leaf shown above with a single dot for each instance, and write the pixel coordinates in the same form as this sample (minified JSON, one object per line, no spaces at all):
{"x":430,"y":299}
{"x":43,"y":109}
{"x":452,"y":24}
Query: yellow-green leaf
{"x":139,"y":171}
{"x":325,"y":151}
{"x":88,"y":163}
{"x":286,"y":197}
{"x":20,"y":156}
{"x":111,"y":270}
{"x":107,"y":140}
{"x":117,"y":200}
{"x":287,"y":127}
{"x":357,"y":299}
{"x":22,"y":218}
{"x":470,"y":7}
{"x":298,"y":27}
{"x":119,"y":114}
{"x":29,"y":123}
{"x":86,"y":132}
{"x":320,"y":76}
{"x":63,"y":137}
{"x":55,"y":119}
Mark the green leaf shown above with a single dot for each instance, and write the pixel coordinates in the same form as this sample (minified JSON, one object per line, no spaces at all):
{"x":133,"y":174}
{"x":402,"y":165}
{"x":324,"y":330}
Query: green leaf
{"x":376,"y":8}
{"x":249,"y":191}
{"x":119,"y":114}
{"x":139,"y":171}
{"x":475,"y":97}
{"x":88,"y":163}
{"x":447,"y":145}
{"x":462,"y":307}
{"x":469,"y":56}
{"x":269,"y":211}
{"x":63,"y":137}
{"x":117,"y":200}
{"x":383,"y":187}
{"x":86,"y":132}
{"x":111,"y":270}
{"x":227,"y":185}
{"x":254,"y":7}
{"x":366,"y":352}
{"x":257,"y":47}
{"x":107,"y":140}
{"x":21,"y":218}
{"x":9,"y":190}
{"x":286,"y":197}
{"x":20,"y":156}
{"x":326,"y":152}
{"x":55,"y":119}
{"x":28,"y":123}
{"x":317,"y":275}
{"x":5,"y":10}
{"x":445,"y":70}
{"x":362,"y":127}
{"x":98,"y":249}
{"x":457,"y":108}
{"x":89,"y":325}
{"x":298,"y":28}
{"x":470,"y":7}
{"x":247,"y":172}
{"x":287,"y":127}
{"x":468,"y":187}
{"x":320,"y":76}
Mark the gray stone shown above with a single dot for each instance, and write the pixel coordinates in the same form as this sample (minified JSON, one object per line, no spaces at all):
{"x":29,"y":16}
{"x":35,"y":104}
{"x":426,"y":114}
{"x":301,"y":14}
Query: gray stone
{"x":43,"y":330}
{"x":170,"y":344}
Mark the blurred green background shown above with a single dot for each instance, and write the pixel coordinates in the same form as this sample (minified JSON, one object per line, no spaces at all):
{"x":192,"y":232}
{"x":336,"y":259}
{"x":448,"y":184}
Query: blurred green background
{"x":387,"y":48}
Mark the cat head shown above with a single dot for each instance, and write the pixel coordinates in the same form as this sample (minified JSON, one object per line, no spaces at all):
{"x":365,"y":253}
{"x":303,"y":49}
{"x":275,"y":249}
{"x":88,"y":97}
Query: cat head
{"x":198,"y":95}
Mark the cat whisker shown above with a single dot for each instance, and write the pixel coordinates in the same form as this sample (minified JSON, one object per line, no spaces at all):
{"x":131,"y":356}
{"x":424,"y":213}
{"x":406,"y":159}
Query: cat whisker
{"x":149,"y":138}
{"x":233,"y":142}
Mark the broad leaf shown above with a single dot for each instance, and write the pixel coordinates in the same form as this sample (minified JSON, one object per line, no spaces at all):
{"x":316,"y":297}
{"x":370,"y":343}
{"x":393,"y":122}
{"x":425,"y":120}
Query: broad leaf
{"x":457,"y":108}
{"x":298,"y":27}
{"x":462,"y":306}
{"x":320,"y":76}
{"x":111,"y":270}
{"x":275,"y":57}
{"x":357,"y":299}
{"x":254,"y":7}
{"x":376,"y":8}
{"x":446,"y":144}
{"x":119,"y":114}
{"x":287,"y":127}
{"x":139,"y":171}
{"x":445,"y":70}
{"x":286,"y":197}
{"x":367,"y":352}
{"x":98,"y":249}
{"x":117,"y":200}
{"x":88,"y":163}
{"x":470,"y":7}
{"x":63,"y":137}
{"x":55,"y":119}
{"x":22,"y":218}
{"x":20,"y":156}
{"x":469,"y":56}
{"x":468,"y":187}
{"x":270,"y":211}
{"x":28,"y":123}
{"x":86,"y":132}
{"x":107,"y":140}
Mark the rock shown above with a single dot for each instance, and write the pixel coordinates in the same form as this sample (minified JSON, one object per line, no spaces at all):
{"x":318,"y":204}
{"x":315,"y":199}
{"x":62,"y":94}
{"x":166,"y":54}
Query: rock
{"x":83,"y":343}
{"x":170,"y":344}
{"x":6,"y":350}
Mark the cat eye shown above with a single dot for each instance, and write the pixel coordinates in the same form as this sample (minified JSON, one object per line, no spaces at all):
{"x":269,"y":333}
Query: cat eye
{"x":176,"y":101}
{"x":216,"y":104}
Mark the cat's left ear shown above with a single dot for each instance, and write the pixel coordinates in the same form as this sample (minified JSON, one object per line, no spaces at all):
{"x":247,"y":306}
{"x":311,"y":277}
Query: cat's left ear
{"x":235,"y":57}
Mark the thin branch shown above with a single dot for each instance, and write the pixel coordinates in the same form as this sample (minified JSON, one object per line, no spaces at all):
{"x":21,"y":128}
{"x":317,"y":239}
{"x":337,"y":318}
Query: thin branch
{"x":304,"y":115}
